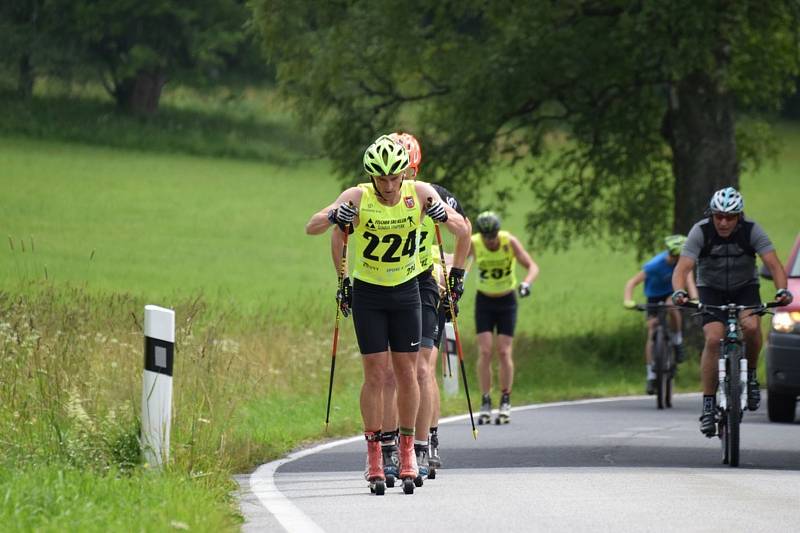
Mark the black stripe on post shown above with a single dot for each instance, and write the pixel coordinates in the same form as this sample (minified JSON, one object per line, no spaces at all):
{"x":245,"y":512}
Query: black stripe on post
{"x":158,"y":355}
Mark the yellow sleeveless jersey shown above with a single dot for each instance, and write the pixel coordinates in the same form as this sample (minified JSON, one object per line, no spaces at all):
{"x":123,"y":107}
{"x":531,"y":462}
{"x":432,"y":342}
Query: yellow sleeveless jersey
{"x":426,"y":244}
{"x":495,"y":268}
{"x":385,"y":238}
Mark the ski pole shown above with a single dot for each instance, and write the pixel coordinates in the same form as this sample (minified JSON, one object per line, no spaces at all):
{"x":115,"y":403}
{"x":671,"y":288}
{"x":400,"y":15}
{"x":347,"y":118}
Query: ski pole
{"x":342,"y":267}
{"x":455,"y":326}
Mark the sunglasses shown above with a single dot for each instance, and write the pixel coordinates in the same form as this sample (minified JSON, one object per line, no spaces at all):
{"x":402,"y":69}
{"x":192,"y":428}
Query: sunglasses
{"x":725,"y":216}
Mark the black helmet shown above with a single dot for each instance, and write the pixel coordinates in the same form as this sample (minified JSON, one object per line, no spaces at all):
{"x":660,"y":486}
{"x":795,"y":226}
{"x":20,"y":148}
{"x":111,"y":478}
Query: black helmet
{"x":488,"y":223}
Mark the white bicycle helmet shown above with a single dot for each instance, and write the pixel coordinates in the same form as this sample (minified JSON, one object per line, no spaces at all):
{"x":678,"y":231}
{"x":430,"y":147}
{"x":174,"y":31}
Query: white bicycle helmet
{"x":727,"y":200}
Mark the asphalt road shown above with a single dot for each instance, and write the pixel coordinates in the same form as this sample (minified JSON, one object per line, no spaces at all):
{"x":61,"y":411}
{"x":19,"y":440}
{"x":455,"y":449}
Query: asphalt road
{"x":616,"y":465}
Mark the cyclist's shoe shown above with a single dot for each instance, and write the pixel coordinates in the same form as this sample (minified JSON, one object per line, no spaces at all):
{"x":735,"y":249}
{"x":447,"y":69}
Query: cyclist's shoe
{"x":708,"y":423}
{"x":680,"y":353}
{"x":485,"y":415}
{"x":651,"y":386}
{"x":753,"y":394}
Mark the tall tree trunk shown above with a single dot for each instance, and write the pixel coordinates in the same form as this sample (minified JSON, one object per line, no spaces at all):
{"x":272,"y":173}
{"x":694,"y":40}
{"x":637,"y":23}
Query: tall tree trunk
{"x":140,"y":95}
{"x":26,"y":77}
{"x":700,"y":129}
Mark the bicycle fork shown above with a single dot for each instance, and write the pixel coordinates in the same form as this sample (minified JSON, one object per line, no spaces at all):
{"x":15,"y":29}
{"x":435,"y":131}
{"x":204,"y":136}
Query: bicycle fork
{"x":722,"y":371}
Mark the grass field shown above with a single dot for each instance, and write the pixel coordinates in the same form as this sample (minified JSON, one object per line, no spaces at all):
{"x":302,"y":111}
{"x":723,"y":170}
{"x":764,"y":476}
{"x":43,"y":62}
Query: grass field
{"x":94,"y":232}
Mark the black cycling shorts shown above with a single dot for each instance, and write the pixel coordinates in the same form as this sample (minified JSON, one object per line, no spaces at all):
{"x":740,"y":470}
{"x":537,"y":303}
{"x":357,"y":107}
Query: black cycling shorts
{"x":747,"y":295}
{"x":429,"y":296}
{"x":387,"y":317}
{"x":498,"y":313}
{"x":442,"y":318}
{"x":652,"y":312}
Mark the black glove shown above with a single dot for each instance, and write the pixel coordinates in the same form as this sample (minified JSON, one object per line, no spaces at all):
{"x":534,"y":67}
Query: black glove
{"x":342,"y":215}
{"x":448,"y":315}
{"x":524,"y":289}
{"x":344,"y":297}
{"x":680,"y":297}
{"x":456,"y":283}
{"x":436,"y":211}
{"x":784,"y":296}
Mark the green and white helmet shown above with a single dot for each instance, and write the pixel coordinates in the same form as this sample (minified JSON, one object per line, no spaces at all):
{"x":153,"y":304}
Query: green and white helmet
{"x":385,"y":157}
{"x":487,"y":223}
{"x":727,"y":200}
{"x":675,"y":243}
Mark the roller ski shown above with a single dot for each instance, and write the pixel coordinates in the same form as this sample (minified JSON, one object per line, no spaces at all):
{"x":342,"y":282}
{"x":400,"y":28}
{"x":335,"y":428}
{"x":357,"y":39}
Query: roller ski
{"x":504,"y":413}
{"x":391,"y":459}
{"x":423,"y":468}
{"x":409,"y":472}
{"x":374,"y":472}
{"x":434,"y":461}
{"x":485,"y":415}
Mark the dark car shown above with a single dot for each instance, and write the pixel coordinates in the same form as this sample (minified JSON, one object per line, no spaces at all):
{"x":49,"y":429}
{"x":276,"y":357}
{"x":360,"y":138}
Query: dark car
{"x":783,"y":349}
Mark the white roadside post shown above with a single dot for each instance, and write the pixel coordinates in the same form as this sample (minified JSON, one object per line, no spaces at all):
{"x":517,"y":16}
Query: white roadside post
{"x":451,"y":373}
{"x":159,"y":349}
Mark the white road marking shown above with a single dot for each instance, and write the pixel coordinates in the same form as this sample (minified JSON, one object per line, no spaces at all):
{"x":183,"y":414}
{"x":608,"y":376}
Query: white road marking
{"x":262,"y":481}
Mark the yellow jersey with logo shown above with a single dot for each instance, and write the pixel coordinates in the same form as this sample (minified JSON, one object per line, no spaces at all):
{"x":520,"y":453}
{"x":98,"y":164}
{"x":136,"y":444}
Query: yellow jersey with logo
{"x":426,"y":246}
{"x":385,"y":238}
{"x":495,"y":268}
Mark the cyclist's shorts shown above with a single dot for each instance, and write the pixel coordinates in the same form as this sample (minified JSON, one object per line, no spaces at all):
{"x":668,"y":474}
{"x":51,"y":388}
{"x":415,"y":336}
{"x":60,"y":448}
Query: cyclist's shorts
{"x":496,"y":314}
{"x":747,"y":295}
{"x":387,"y":317}
{"x":653,"y":312}
{"x":429,"y":296}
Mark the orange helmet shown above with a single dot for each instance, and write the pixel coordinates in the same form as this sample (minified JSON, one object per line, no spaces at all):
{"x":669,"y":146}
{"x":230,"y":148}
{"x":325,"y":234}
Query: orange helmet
{"x":411,"y":145}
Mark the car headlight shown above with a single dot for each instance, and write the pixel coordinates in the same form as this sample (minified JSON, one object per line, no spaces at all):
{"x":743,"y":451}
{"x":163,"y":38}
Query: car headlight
{"x":784,"y":322}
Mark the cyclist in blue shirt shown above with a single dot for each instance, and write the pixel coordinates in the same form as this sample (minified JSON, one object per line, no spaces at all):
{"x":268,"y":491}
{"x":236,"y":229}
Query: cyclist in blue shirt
{"x":657,"y":277}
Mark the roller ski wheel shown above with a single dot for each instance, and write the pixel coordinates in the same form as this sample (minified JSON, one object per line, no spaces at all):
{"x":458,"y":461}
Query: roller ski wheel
{"x":377,"y":487}
{"x":502,"y":419}
{"x":408,"y":485}
{"x":484,"y":420}
{"x":432,"y":473}
{"x":390,"y":481}
{"x":418,"y":481}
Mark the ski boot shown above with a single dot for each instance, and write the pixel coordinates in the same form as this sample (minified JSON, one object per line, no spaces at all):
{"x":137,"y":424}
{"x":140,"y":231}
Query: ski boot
{"x":421,"y":452}
{"x":409,"y":472}
{"x":374,"y":471}
{"x":504,"y":413}
{"x":434,"y":461}
{"x":391,"y":458}
{"x":485,"y":416}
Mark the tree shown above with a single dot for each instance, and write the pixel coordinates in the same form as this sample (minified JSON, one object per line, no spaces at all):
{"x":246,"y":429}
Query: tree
{"x":138,"y":44}
{"x":31,"y":41}
{"x":646,"y":93}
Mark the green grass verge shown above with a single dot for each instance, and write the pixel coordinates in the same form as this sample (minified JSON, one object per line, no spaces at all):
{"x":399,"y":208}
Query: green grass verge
{"x":50,"y":498}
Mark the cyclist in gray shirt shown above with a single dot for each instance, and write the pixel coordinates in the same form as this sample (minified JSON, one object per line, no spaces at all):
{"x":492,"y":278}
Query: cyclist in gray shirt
{"x":724,"y":247}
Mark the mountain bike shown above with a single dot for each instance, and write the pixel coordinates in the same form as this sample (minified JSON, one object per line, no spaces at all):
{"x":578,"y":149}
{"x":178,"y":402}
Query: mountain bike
{"x":664,"y":363}
{"x":732,"y":368}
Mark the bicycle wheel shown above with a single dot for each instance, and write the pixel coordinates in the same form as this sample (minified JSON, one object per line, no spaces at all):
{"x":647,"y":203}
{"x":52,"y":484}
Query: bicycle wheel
{"x":670,"y":373}
{"x":723,"y":436}
{"x":734,"y":408}
{"x":659,"y":366}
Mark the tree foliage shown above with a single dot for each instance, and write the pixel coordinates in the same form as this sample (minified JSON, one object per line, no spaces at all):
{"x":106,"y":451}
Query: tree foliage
{"x":647,"y":94}
{"x":134,"y":45}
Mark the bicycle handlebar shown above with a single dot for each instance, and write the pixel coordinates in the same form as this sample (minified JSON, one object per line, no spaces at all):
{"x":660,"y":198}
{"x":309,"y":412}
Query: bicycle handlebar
{"x":732,"y":307}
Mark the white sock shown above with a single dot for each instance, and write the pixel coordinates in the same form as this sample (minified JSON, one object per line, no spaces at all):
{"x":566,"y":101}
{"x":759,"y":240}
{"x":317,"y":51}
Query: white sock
{"x":677,"y":338}
{"x":420,"y":442}
{"x":650,"y":373}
